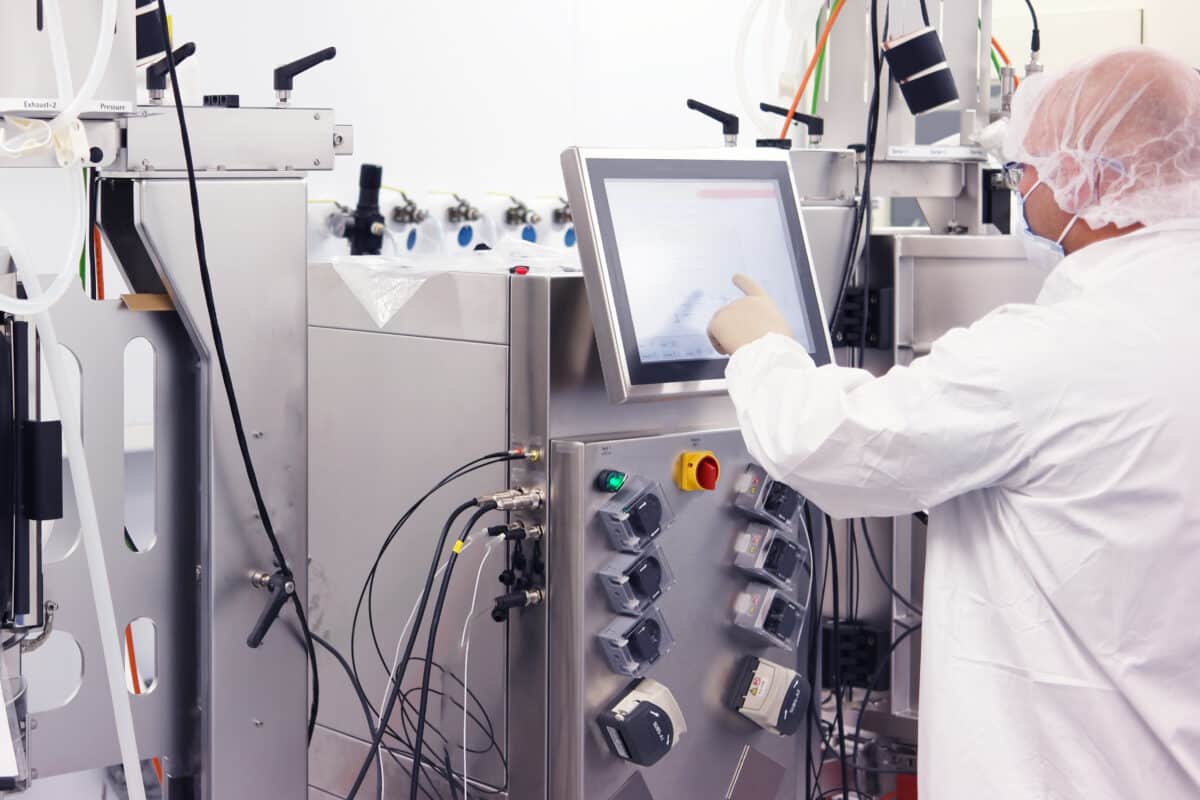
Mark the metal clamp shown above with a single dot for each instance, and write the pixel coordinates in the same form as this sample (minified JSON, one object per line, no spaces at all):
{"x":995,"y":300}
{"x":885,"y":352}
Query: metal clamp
{"x":29,"y":645}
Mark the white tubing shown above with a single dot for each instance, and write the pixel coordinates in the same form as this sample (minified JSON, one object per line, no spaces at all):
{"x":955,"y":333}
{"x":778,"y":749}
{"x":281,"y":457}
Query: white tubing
{"x":39,"y":302}
{"x":105,"y":39}
{"x":749,"y":104}
{"x":400,"y":650}
{"x":465,"y":644}
{"x":110,"y":632}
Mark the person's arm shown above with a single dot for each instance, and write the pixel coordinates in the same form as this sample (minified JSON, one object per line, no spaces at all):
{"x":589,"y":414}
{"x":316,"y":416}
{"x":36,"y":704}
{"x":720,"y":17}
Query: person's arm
{"x":864,"y":446}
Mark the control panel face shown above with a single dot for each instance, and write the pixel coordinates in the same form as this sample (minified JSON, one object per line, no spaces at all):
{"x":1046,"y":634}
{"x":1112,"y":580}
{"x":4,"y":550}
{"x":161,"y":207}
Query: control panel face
{"x":694,"y":575}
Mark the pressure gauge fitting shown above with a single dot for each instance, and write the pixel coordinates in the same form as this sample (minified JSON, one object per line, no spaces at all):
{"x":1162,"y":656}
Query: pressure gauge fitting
{"x":643,"y":725}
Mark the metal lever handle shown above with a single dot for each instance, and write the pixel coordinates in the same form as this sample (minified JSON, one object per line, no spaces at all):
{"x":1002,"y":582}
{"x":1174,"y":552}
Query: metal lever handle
{"x":815,"y":125}
{"x":285,"y":75}
{"x":156,"y":73}
{"x":281,"y":587}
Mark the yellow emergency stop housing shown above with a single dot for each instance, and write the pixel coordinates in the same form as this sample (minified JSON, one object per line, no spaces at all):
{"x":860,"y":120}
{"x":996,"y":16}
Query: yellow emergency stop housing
{"x":697,"y":471}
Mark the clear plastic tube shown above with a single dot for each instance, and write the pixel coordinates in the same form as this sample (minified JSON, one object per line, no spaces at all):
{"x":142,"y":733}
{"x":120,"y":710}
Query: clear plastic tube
{"x":110,"y":632}
{"x":67,"y":274}
{"x":41,"y":134}
{"x":464,"y":644}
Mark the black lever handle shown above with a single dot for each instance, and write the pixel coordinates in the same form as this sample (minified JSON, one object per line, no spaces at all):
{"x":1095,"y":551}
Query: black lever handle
{"x":282,"y":587}
{"x":285,"y":76}
{"x":156,"y":73}
{"x":815,"y":125}
{"x":729,"y":122}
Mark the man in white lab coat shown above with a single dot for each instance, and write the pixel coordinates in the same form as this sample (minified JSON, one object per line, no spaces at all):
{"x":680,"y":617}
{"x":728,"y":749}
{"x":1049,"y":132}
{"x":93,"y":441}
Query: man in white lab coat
{"x":1057,"y":447}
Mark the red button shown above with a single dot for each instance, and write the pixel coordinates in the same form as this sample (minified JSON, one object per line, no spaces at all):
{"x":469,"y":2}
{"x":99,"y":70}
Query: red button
{"x":708,"y":473}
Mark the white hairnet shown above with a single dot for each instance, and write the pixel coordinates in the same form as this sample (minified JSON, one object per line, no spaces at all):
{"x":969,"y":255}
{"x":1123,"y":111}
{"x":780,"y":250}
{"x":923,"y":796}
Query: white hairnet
{"x":1116,"y":138}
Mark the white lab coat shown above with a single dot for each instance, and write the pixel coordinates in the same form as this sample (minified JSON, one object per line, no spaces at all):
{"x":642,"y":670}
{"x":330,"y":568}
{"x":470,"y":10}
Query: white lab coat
{"x":1058,"y":448}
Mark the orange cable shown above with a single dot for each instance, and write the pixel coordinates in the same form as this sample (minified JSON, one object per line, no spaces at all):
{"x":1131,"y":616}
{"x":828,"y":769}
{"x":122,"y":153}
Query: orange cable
{"x":133,"y":670}
{"x":812,"y":65}
{"x":1004,"y":57}
{"x":99,"y":249}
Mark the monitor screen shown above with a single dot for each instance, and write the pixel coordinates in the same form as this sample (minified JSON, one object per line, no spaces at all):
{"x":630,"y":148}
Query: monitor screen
{"x":678,"y":267}
{"x":672,"y":233}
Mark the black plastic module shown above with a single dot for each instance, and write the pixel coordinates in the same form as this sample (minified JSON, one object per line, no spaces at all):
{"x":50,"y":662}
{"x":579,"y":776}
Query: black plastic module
{"x":861,"y":649}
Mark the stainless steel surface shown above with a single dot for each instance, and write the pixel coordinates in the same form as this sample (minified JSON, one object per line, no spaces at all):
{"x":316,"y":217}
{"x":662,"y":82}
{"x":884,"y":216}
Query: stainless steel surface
{"x":461,"y":306}
{"x":699,"y":546}
{"x":389,"y":416}
{"x":829,"y":230}
{"x":600,"y":291}
{"x":158,"y":584}
{"x":27,"y":82}
{"x":918,"y":179}
{"x":233,"y":140}
{"x":334,"y":759}
{"x":828,"y":175}
{"x":947,"y":281}
{"x":255,"y":230}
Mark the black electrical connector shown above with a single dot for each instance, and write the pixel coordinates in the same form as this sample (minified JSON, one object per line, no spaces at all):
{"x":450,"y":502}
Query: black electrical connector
{"x":1035,"y":44}
{"x":858,"y":649}
{"x":877,"y":313}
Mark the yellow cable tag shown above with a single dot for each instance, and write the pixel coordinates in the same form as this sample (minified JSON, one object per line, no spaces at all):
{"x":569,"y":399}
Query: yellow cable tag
{"x":458,"y":546}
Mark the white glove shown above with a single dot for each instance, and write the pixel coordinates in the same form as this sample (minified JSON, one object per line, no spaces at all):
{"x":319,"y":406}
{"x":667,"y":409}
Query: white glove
{"x":746,"y":320}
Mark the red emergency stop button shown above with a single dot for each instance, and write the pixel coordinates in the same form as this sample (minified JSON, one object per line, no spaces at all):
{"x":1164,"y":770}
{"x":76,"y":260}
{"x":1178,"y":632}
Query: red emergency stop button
{"x":708,"y":473}
{"x":697,"y":471}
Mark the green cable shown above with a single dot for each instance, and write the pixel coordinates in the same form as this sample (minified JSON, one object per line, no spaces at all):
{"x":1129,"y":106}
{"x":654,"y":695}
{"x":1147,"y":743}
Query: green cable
{"x":996,"y":64}
{"x":83,"y":255}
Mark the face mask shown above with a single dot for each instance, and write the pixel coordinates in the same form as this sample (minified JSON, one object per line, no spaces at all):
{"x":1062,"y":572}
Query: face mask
{"x":1043,"y":253}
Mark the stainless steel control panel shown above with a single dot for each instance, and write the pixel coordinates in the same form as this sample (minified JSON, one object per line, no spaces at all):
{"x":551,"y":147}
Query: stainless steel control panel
{"x":698,"y":745}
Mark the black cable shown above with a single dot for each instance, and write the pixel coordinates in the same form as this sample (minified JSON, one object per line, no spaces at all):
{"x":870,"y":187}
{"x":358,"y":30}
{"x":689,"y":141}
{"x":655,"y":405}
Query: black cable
{"x":835,"y":661}
{"x":397,"y":678}
{"x":879,"y":571}
{"x":362,"y":699}
{"x":811,"y":773}
{"x":870,"y":688}
{"x":366,"y":593}
{"x":227,"y":378}
{"x":434,"y":623}
{"x":1035,"y":44}
{"x":925,"y":13}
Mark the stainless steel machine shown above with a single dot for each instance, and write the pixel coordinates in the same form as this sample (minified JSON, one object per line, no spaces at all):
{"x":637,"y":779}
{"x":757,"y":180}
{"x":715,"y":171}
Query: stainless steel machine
{"x":222,"y":719}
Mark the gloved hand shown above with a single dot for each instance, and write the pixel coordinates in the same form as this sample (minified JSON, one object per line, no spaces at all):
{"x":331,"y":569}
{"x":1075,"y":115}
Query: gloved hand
{"x":746,"y":320}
